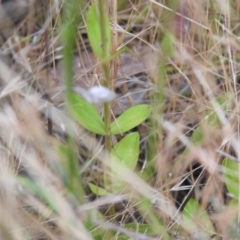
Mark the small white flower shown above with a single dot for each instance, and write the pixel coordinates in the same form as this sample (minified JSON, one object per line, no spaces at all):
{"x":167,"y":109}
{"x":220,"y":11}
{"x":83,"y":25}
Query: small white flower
{"x":101,"y":94}
{"x":97,"y":94}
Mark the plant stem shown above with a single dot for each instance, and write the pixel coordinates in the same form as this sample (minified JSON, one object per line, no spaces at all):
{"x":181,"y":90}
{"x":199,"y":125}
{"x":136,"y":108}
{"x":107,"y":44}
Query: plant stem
{"x":105,"y":66}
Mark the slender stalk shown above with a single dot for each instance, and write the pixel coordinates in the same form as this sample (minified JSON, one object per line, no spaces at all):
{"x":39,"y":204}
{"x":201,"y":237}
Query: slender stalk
{"x":105,"y":66}
{"x":106,"y":69}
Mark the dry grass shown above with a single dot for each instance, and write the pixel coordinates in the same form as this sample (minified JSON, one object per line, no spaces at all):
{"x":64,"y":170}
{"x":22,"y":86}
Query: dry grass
{"x":191,"y":80}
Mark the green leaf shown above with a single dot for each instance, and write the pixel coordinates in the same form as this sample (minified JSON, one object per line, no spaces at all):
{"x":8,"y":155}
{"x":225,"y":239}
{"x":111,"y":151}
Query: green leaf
{"x":98,"y":190}
{"x":86,"y":114}
{"x":130,"y":119}
{"x":125,"y":152}
{"x":231,"y":176}
{"x":196,"y":219}
{"x":94,"y":31}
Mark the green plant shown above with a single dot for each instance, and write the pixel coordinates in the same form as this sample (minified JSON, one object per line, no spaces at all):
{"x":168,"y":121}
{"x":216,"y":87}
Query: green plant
{"x":127,"y":150}
{"x":92,"y":175}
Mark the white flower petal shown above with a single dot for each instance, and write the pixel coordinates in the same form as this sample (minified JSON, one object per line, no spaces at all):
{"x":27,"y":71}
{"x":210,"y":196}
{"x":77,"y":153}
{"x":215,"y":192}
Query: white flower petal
{"x":96,"y":94}
{"x":100,"y":94}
